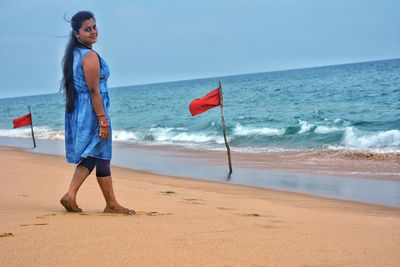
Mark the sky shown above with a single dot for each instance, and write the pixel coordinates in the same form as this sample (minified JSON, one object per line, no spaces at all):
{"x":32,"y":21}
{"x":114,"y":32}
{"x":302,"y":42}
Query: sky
{"x":152,"y":41}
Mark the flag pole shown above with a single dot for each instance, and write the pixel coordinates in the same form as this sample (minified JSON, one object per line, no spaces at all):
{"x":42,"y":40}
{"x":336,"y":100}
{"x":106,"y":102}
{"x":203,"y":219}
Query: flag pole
{"x":33,"y":135}
{"x":224,"y":130}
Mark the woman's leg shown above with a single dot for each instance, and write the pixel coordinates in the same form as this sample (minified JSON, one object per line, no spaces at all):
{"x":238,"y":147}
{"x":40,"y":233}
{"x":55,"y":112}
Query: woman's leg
{"x":112,"y":206}
{"x":82,"y":171}
{"x":105,"y":184}
{"x":104,"y":179}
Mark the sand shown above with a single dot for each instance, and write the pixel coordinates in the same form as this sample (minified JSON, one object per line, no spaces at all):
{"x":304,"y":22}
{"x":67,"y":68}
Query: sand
{"x":181,"y":222}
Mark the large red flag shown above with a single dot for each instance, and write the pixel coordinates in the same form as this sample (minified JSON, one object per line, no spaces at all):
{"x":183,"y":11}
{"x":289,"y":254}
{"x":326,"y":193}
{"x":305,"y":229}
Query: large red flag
{"x":23,"y":121}
{"x":211,"y":100}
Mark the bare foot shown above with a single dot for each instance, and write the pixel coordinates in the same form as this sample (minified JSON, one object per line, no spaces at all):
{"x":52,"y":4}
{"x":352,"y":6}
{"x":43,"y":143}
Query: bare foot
{"x":69,"y":205}
{"x":119,"y":210}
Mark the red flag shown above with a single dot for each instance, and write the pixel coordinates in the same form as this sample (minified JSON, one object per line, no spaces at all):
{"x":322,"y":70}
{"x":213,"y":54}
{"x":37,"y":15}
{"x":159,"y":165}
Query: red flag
{"x":23,"y":121}
{"x":211,"y":100}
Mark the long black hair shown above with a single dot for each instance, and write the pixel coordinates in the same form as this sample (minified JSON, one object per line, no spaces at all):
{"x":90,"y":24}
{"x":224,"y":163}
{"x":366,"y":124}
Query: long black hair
{"x":67,"y":82}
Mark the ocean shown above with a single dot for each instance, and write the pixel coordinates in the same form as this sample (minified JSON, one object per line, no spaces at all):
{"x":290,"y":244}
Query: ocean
{"x":342,"y":107}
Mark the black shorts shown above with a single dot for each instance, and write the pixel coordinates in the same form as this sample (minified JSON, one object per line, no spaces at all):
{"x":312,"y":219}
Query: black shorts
{"x":102,"y":166}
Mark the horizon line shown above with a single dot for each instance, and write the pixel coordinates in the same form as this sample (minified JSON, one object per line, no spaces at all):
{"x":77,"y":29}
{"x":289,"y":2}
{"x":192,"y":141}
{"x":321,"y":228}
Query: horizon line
{"x":229,"y":75}
{"x":250,"y":73}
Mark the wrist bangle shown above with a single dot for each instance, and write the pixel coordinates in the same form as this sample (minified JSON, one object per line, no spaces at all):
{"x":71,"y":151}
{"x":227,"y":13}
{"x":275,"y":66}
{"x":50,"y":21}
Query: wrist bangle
{"x":101,"y":115}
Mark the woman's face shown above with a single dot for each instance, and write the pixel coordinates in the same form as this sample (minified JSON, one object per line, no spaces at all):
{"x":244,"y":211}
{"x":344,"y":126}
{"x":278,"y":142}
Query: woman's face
{"x":88,"y":32}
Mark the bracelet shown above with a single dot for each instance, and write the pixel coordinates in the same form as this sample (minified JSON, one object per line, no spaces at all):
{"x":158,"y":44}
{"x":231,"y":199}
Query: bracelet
{"x":101,"y":115}
{"x":104,"y":123}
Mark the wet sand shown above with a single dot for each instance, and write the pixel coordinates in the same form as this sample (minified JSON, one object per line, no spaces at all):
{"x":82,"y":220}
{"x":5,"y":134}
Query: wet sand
{"x":348,"y":163}
{"x":181,"y":222}
{"x":356,"y":164}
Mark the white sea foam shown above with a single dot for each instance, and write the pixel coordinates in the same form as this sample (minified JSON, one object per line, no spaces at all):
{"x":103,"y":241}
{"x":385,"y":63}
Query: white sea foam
{"x":353,"y":138}
{"x":305,"y":126}
{"x":186,"y":137}
{"x":40,"y":132}
{"x":240,"y":130}
{"x":326,"y":130}
{"x":177,"y":135}
{"x":124,"y":136}
{"x":260,"y":149}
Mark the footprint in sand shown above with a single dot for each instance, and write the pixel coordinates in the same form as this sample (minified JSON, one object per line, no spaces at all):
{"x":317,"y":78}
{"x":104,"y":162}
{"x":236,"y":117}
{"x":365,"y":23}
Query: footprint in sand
{"x":45,"y":216}
{"x":195,"y":201}
{"x":6,"y":234}
{"x":138,"y":213}
{"x":104,"y":214}
{"x":225,"y":208}
{"x":100,"y":213}
{"x":276,"y":221}
{"x":259,"y":215}
{"x":151,"y":213}
{"x":35,"y":224}
{"x":251,"y":215}
{"x":269,"y":226}
{"x":168,"y":193}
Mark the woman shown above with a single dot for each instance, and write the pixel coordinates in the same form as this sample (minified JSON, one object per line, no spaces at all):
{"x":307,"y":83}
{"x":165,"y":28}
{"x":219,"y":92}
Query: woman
{"x":87,"y":123}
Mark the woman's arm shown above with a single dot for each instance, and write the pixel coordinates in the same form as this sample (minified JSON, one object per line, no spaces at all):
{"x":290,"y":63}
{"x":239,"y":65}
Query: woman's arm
{"x":91,"y":68}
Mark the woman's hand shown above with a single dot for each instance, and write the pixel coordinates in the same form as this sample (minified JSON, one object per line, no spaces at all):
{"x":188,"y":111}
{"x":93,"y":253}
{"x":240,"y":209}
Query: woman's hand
{"x":104,"y":129}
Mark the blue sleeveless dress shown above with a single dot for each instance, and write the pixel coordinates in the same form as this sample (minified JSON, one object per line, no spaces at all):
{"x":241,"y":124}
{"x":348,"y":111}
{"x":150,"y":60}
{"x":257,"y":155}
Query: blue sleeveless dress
{"x":81,"y":125}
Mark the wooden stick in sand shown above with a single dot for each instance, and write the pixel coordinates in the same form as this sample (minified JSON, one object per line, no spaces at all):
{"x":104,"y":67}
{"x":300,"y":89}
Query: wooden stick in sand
{"x":33,"y":135}
{"x":224,"y":130}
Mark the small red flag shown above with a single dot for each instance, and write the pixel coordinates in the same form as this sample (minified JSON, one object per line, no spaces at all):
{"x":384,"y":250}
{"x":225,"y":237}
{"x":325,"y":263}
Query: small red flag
{"x":23,"y":121}
{"x":211,"y":100}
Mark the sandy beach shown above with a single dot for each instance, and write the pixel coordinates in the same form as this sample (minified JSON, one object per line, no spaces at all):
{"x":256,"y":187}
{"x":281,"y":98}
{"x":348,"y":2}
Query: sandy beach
{"x":181,"y":222}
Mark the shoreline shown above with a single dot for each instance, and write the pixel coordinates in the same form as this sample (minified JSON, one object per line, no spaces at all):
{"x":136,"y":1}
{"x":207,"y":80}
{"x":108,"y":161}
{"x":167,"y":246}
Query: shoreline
{"x":330,"y":162}
{"x":181,"y":222}
{"x":290,"y":172}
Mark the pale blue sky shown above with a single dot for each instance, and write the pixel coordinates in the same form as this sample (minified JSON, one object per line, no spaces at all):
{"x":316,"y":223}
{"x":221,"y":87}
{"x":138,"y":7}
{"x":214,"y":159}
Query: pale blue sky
{"x":154,"y":41}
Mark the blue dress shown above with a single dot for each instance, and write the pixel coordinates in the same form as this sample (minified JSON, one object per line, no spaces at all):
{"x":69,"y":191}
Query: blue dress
{"x":81,"y":125}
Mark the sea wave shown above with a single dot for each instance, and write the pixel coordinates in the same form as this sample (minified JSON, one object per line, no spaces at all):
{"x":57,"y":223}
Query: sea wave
{"x":327,"y":130}
{"x":319,"y":129}
{"x":240,"y":130}
{"x":354,"y":138}
{"x":124,"y":136}
{"x":305,"y":126}
{"x":165,"y":134}
{"x":40,"y":132}
{"x":243,"y":138}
